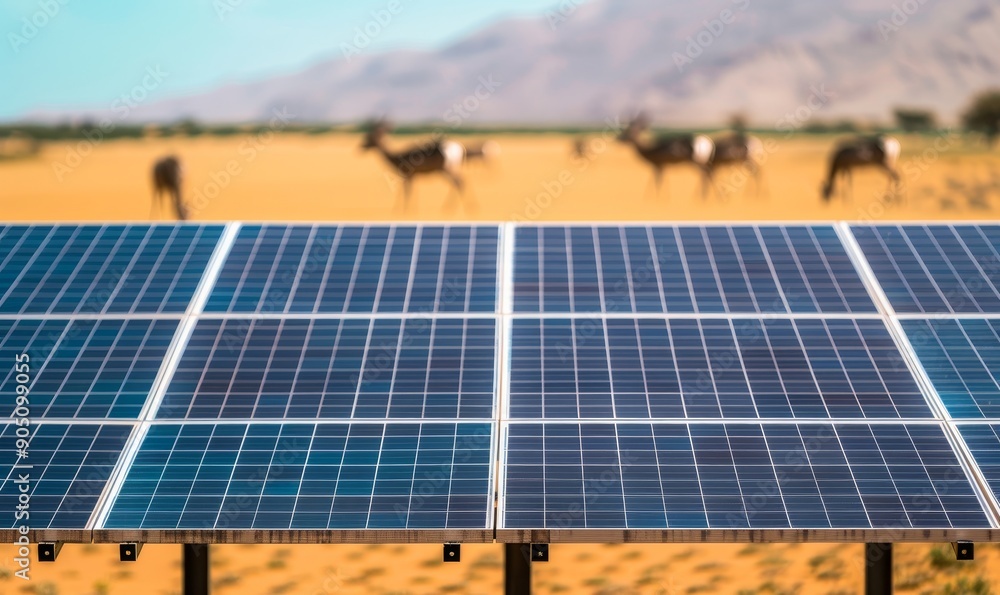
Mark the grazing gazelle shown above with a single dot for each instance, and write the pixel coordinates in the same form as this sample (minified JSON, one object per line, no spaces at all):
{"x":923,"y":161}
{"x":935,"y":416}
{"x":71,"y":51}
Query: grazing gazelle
{"x":695,"y":149}
{"x":877,"y":151}
{"x":739,"y":149}
{"x":438,"y":155}
{"x":485,"y":151}
{"x":167,"y":178}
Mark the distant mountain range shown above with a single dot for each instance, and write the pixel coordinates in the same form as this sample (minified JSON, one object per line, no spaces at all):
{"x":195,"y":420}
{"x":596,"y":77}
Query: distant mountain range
{"x":685,"y":62}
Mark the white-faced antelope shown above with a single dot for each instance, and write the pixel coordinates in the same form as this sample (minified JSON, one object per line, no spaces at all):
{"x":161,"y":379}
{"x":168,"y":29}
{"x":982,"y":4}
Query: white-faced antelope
{"x":696,"y":149}
{"x":485,"y":151}
{"x":167,"y":179}
{"x":878,"y":151}
{"x":742,"y":150}
{"x":438,"y":155}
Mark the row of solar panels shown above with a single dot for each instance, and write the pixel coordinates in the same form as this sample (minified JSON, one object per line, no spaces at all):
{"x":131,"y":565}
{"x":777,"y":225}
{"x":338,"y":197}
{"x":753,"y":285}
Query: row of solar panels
{"x":139,"y":269}
{"x":557,"y":368}
{"x":554,"y":476}
{"x":588,"y":409}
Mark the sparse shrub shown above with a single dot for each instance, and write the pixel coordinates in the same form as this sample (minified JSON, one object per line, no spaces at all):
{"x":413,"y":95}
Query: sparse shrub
{"x":913,"y":581}
{"x":226,"y":580}
{"x":750,"y":549}
{"x":943,"y":559}
{"x":966,"y":586}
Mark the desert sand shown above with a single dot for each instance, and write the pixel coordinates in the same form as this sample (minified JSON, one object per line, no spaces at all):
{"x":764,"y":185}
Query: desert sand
{"x":535,"y":178}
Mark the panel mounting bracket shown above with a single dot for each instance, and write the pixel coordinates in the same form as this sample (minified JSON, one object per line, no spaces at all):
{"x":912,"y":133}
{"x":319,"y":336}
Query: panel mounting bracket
{"x":964,"y":550}
{"x":452,"y":552}
{"x":49,"y":551}
{"x":129,"y":552}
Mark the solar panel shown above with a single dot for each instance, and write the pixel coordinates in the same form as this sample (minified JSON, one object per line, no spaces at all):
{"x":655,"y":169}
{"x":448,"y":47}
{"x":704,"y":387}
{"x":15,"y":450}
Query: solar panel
{"x":962,"y":360}
{"x":309,"y":477}
{"x":85,"y":368}
{"x":66,"y":468}
{"x":708,"y":368}
{"x":712,"y":269}
{"x":984,"y":442}
{"x":101,"y":269}
{"x":566,"y":476}
{"x":935,"y":268}
{"x":304,"y":269}
{"x":294,"y":368}
{"x":339,"y":383}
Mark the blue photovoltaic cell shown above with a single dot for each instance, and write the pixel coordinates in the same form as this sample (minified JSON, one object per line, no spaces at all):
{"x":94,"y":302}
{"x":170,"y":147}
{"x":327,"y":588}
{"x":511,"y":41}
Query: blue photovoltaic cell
{"x":962,"y":359}
{"x":287,"y":269}
{"x":336,"y":369}
{"x":984,"y":443}
{"x":742,"y":269}
{"x":69,"y":466}
{"x":100,"y":269}
{"x":935,"y":268}
{"x":85,"y":368}
{"x":306,"y":476}
{"x":709,"y":368}
{"x":736,"y":476}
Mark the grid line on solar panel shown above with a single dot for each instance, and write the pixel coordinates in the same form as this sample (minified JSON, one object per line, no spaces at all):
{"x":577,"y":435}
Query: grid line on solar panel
{"x":935,"y":268}
{"x":94,"y":269}
{"x":344,"y":269}
{"x":983,"y":441}
{"x":66,"y":469}
{"x":962,"y":360}
{"x":86,"y":368}
{"x":309,"y":476}
{"x":742,"y":368}
{"x":565,"y":476}
{"x":335,"y":369}
{"x":739,"y":269}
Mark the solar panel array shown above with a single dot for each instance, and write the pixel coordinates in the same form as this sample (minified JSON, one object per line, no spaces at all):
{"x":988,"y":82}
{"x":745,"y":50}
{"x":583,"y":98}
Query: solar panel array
{"x":410,"y":382}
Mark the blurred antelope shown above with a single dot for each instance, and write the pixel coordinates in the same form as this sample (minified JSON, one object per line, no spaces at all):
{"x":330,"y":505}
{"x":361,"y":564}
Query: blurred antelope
{"x":484,"y":151}
{"x":879,"y":151}
{"x":741,"y":150}
{"x":695,"y":149}
{"x":581,"y":148}
{"x":167,"y":178}
{"x":438,"y":155}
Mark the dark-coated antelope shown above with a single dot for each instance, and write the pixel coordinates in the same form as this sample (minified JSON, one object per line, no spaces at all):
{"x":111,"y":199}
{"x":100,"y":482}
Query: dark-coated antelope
{"x":741,"y":150}
{"x":438,"y":155}
{"x":695,"y":149}
{"x":878,"y":151}
{"x":167,"y":179}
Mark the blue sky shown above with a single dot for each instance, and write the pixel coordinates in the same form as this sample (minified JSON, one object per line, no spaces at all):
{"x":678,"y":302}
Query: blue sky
{"x":88,"y":52}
